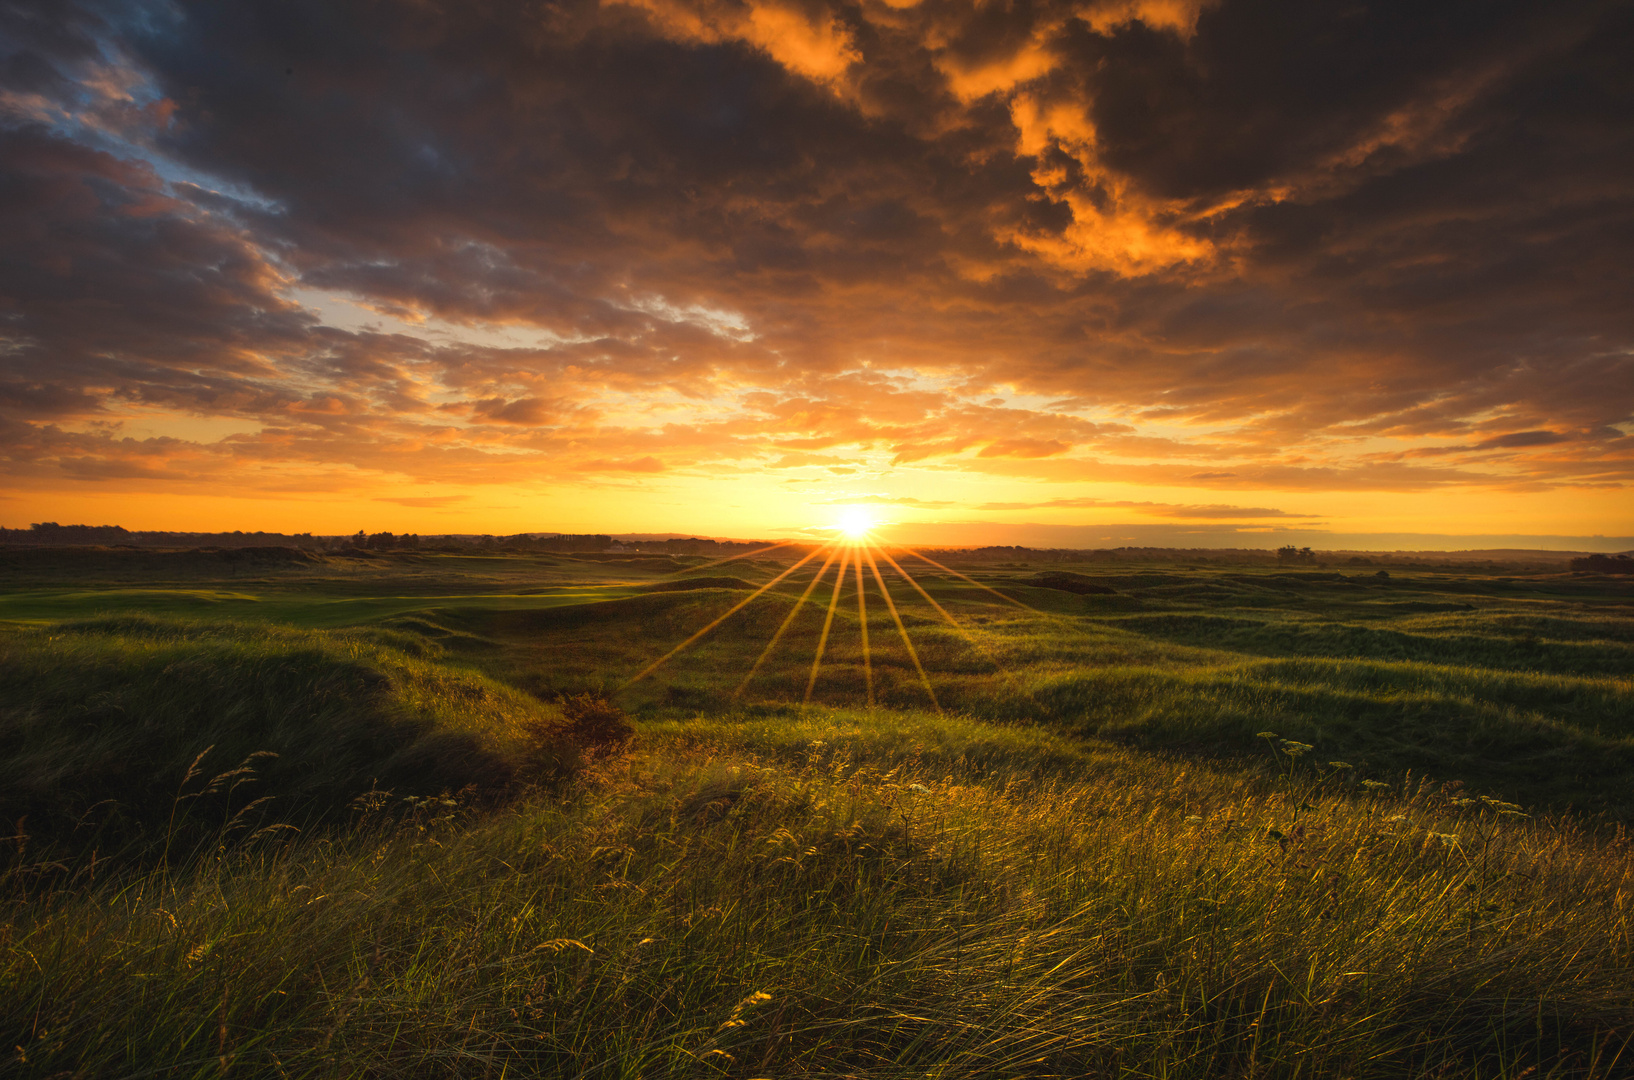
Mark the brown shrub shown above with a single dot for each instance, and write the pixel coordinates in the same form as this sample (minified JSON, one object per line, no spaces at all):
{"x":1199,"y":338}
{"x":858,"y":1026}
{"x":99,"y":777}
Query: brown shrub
{"x":591,"y":726}
{"x":594,"y":723}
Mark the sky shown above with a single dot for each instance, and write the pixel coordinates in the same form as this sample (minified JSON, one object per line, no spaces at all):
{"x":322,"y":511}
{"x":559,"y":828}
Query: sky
{"x":1205,"y":273}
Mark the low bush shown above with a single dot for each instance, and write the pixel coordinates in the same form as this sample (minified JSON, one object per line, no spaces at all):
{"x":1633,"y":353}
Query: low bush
{"x":589,"y":726}
{"x":595,"y":723}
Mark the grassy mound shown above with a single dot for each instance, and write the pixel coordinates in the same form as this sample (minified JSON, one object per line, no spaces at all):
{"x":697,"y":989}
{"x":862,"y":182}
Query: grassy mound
{"x":1544,"y":740}
{"x":1067,"y":581}
{"x":123,"y":724}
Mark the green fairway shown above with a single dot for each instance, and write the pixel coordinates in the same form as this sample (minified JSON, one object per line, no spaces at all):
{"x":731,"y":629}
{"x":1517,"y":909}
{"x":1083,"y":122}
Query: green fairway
{"x":277,"y":605}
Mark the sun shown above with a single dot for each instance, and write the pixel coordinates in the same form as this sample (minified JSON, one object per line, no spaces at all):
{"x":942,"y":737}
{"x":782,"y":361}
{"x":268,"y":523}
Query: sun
{"x":856,"y":522}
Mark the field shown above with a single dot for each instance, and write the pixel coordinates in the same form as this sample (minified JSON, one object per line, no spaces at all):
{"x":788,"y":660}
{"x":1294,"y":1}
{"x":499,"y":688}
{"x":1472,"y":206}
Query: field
{"x":381,"y":815}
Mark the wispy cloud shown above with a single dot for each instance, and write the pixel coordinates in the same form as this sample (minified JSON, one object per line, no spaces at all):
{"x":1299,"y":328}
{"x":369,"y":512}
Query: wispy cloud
{"x":425,"y":501}
{"x":885,"y":500}
{"x":1215,"y":511}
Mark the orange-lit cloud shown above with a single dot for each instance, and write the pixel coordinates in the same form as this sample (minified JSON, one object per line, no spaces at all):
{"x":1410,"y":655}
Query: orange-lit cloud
{"x":814,"y":45}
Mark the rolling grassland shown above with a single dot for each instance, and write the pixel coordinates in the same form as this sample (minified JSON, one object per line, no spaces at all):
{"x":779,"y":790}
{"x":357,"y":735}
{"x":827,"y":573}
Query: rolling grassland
{"x":329,"y":816}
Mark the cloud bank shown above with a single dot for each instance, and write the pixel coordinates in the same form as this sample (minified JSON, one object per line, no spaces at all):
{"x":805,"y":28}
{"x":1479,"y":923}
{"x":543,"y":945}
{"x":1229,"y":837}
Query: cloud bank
{"x":1241,"y":251}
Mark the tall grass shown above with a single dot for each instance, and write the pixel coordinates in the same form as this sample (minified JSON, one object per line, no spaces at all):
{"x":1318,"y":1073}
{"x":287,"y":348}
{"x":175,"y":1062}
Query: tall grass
{"x":858,"y":907}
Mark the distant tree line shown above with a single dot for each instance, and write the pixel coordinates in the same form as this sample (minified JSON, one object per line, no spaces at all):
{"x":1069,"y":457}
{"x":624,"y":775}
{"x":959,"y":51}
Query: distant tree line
{"x":384,"y":541}
{"x":559,"y":542}
{"x":1295,"y":556}
{"x":1604,"y":564}
{"x":600,"y":542}
{"x":693,"y":545}
{"x":50,"y":534}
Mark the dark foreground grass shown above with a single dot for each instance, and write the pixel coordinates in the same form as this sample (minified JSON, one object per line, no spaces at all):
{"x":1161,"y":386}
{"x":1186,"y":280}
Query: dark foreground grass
{"x":855,"y":906}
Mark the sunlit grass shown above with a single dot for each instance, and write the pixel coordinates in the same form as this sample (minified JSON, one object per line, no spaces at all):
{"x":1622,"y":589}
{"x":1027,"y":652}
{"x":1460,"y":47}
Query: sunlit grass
{"x":736,"y":900}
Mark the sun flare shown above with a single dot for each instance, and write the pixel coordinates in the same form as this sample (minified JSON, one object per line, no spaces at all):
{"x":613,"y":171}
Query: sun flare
{"x":856,"y":522}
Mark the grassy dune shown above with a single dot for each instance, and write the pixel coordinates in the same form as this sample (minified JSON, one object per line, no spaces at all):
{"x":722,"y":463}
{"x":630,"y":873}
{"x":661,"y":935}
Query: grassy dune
{"x":1088,"y":862}
{"x":127,"y":733}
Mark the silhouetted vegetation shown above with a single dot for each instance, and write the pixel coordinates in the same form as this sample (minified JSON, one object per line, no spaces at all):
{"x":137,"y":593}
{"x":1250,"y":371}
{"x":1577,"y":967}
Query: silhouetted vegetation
{"x":50,"y":534}
{"x":1604,"y":564}
{"x":1294,"y":556}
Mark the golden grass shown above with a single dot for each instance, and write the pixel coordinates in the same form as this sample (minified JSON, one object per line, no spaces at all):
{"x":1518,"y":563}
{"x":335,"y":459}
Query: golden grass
{"x":730,"y":901}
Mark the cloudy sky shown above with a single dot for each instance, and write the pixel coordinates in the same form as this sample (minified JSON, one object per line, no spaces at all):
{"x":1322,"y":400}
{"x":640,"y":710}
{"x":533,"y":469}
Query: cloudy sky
{"x":726,"y":266}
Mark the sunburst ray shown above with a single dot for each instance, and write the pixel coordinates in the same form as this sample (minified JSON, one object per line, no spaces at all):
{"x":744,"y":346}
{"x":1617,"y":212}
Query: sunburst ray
{"x":862,"y":624}
{"x":828,"y":621}
{"x":744,"y":555}
{"x":789,"y":619}
{"x":965,"y":632}
{"x":929,"y":599}
{"x":850,"y":553}
{"x":973,"y":581}
{"x":890,"y":606}
{"x":740,"y":605}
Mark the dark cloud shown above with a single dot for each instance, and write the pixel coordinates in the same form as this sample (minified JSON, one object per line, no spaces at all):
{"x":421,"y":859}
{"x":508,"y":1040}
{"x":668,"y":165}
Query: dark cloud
{"x":1522,"y":438}
{"x":520,"y":411}
{"x":1237,"y":244}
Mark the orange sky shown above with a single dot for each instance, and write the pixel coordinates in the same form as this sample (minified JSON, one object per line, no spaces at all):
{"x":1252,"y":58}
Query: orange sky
{"x":1206,"y":269}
